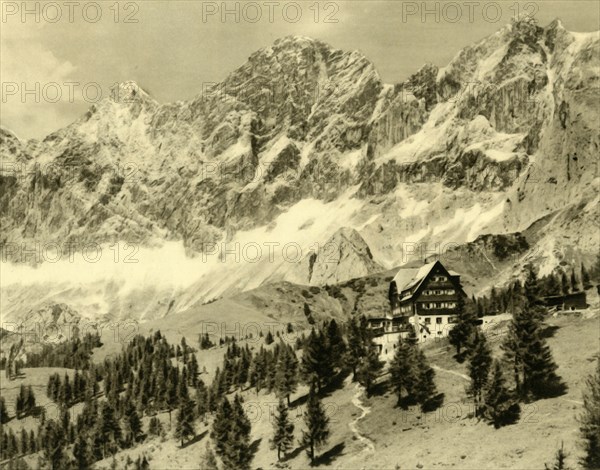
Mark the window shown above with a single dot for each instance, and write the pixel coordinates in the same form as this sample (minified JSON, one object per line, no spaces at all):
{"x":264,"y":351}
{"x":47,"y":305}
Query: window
{"x":439,"y":332}
{"x":428,"y":321}
{"x":438,"y":320}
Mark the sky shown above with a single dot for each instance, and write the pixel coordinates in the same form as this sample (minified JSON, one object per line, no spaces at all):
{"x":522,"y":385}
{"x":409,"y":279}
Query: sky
{"x":55,"y":58}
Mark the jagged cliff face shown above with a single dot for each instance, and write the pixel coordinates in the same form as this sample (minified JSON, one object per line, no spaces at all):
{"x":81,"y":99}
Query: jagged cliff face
{"x":304,"y":139}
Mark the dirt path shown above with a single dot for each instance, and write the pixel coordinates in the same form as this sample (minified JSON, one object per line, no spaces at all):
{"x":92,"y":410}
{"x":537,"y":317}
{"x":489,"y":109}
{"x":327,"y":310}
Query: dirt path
{"x":353,"y":425}
{"x":458,"y":374}
{"x":463,"y":376}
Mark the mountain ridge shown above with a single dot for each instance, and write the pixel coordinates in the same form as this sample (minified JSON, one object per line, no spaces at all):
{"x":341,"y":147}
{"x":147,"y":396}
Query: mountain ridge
{"x":311,"y":140}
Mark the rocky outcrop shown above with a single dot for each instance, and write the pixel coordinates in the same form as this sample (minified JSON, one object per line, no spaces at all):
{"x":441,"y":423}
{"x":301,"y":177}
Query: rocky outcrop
{"x":344,"y":256}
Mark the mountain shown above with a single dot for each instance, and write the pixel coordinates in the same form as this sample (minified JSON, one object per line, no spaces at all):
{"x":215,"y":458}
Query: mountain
{"x":252,"y":176}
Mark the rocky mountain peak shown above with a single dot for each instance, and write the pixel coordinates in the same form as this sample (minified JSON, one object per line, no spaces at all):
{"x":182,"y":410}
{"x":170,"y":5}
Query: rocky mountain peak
{"x":130,"y":92}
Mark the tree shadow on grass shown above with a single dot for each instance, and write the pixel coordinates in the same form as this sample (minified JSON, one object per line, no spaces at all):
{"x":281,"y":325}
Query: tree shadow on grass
{"x":379,"y":389}
{"x":197,"y":438}
{"x":295,"y":453}
{"x":548,"y":331}
{"x":434,"y":403}
{"x":328,"y":457}
{"x":254,"y":446}
{"x":298,"y":401}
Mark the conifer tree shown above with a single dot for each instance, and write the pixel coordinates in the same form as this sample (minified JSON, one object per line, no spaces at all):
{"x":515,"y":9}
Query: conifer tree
{"x":369,"y":368}
{"x":185,"y":419}
{"x":24,"y":442}
{"x":209,"y":460}
{"x":133,"y":424}
{"x":553,"y":285}
{"x":559,"y":460}
{"x":574,"y":285}
{"x":526,"y":349}
{"x":3,"y":411}
{"x":108,"y":430}
{"x":335,"y":344}
{"x":193,"y":370}
{"x":269,"y":338}
{"x":316,"y":433}
{"x":585,"y":277}
{"x":283,"y":431}
{"x":425,"y":389}
{"x":155,"y":427}
{"x":33,"y":447}
{"x":403,"y":369}
{"x":286,"y":377}
{"x":82,"y":453}
{"x":464,"y":328}
{"x":221,"y":427}
{"x":356,"y":349}
{"x":202,"y":399}
{"x":316,"y":364}
{"x":53,"y":445}
{"x":500,"y":407}
{"x":564,"y":281}
{"x":238,"y":453}
{"x":590,"y":420}
{"x":479,"y":369}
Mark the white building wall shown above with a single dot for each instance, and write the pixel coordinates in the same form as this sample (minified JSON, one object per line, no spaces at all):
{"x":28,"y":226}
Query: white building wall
{"x":436,"y":330}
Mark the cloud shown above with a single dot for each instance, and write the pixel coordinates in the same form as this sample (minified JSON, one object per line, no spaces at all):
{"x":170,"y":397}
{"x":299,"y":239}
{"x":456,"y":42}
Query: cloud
{"x":28,"y":65}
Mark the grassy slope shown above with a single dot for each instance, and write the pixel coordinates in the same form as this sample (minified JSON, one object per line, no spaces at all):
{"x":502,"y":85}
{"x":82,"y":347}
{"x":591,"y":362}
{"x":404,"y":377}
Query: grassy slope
{"x":448,"y":437}
{"x":38,"y":379}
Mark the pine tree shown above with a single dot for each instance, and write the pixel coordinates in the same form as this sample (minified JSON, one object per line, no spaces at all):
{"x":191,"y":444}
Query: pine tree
{"x":539,"y":378}
{"x":209,"y":460}
{"x":526,"y":350}
{"x":193,"y":370}
{"x":531,"y":287}
{"x":564,"y":281}
{"x":403,"y":369}
{"x":356,"y":349}
{"x":108,"y":430}
{"x":82,"y":453}
{"x":335,"y":344}
{"x":369,"y":368}
{"x":316,"y":364}
{"x":553,"y":285}
{"x":155,"y":427}
{"x":590,"y":420}
{"x":269,"y":338}
{"x":24,"y":441}
{"x":202,"y":399}
{"x":221,"y":427}
{"x":574,"y":284}
{"x":585,"y":277}
{"x":500,"y":407}
{"x":185,"y":419}
{"x":316,"y":433}
{"x":479,"y":368}
{"x":3,"y":411}
{"x":425,"y":390}
{"x":286,"y":377}
{"x":53,"y":445}
{"x":238,"y":453}
{"x":559,"y":461}
{"x":464,"y":328}
{"x":133,"y":424}
{"x":283,"y":431}
{"x":33,"y":447}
